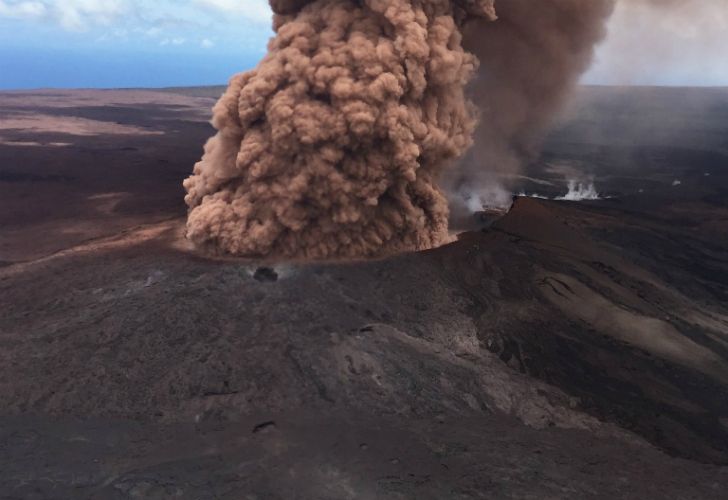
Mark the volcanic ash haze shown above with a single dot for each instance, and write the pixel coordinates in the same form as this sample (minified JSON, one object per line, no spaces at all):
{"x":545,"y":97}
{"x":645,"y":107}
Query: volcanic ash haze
{"x":335,"y":144}
{"x":531,"y":59}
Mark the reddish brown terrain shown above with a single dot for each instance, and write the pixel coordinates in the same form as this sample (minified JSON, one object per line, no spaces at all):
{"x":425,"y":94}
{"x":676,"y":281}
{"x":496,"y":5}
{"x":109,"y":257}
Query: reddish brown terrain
{"x":568,"y":350}
{"x":78,"y":165}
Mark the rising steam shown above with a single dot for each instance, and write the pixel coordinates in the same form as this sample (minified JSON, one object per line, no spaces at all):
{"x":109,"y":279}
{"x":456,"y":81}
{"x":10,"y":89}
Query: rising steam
{"x":335,"y":145}
{"x":580,"y":191}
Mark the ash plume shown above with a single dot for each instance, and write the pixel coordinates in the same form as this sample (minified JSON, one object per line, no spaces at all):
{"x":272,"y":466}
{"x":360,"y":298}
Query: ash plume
{"x":333,"y":145}
{"x":533,"y":56}
{"x":531,"y":59}
{"x":336,"y":145}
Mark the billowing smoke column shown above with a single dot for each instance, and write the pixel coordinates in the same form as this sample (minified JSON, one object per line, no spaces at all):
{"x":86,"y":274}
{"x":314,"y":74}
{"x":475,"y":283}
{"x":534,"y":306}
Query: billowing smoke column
{"x":333,"y":145}
{"x":531,"y":59}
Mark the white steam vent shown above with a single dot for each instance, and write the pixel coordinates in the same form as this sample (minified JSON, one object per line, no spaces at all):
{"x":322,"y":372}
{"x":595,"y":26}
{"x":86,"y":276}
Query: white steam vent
{"x":580,"y":191}
{"x":524,"y":194}
{"x":488,"y":197}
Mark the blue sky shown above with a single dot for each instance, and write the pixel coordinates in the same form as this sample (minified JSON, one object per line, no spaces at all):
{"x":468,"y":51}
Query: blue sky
{"x":129,"y":43}
{"x":145,"y":43}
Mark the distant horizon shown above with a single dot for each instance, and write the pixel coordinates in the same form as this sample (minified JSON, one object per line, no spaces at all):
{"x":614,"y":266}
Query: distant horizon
{"x":133,"y":44}
{"x":223,"y":86}
{"x":112,"y":68}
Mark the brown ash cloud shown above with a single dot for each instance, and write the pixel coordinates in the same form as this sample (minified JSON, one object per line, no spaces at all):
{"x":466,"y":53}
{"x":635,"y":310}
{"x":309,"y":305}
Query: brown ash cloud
{"x":338,"y":143}
{"x":333,"y":145}
{"x":530,"y":61}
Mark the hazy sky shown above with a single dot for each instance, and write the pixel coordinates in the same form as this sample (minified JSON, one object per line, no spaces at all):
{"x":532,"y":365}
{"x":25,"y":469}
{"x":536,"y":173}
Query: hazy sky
{"x":147,"y":43}
{"x":665,"y":42}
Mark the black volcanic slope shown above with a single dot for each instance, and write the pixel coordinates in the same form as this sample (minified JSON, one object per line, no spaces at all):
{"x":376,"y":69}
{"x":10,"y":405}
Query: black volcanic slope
{"x":570,"y":350}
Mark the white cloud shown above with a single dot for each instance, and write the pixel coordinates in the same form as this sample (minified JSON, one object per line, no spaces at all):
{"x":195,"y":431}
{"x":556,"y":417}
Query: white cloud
{"x":173,"y":41}
{"x":254,"y":10}
{"x":72,"y":15}
{"x":230,"y":25}
{"x":22,"y":9}
{"x":82,"y":15}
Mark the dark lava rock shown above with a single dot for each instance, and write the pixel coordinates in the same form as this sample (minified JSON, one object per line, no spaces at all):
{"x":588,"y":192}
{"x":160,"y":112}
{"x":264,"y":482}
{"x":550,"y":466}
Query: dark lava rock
{"x":568,"y":350}
{"x":266,"y":275}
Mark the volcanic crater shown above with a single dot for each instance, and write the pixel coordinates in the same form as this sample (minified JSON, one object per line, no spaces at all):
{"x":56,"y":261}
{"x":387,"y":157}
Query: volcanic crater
{"x":563,"y":350}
